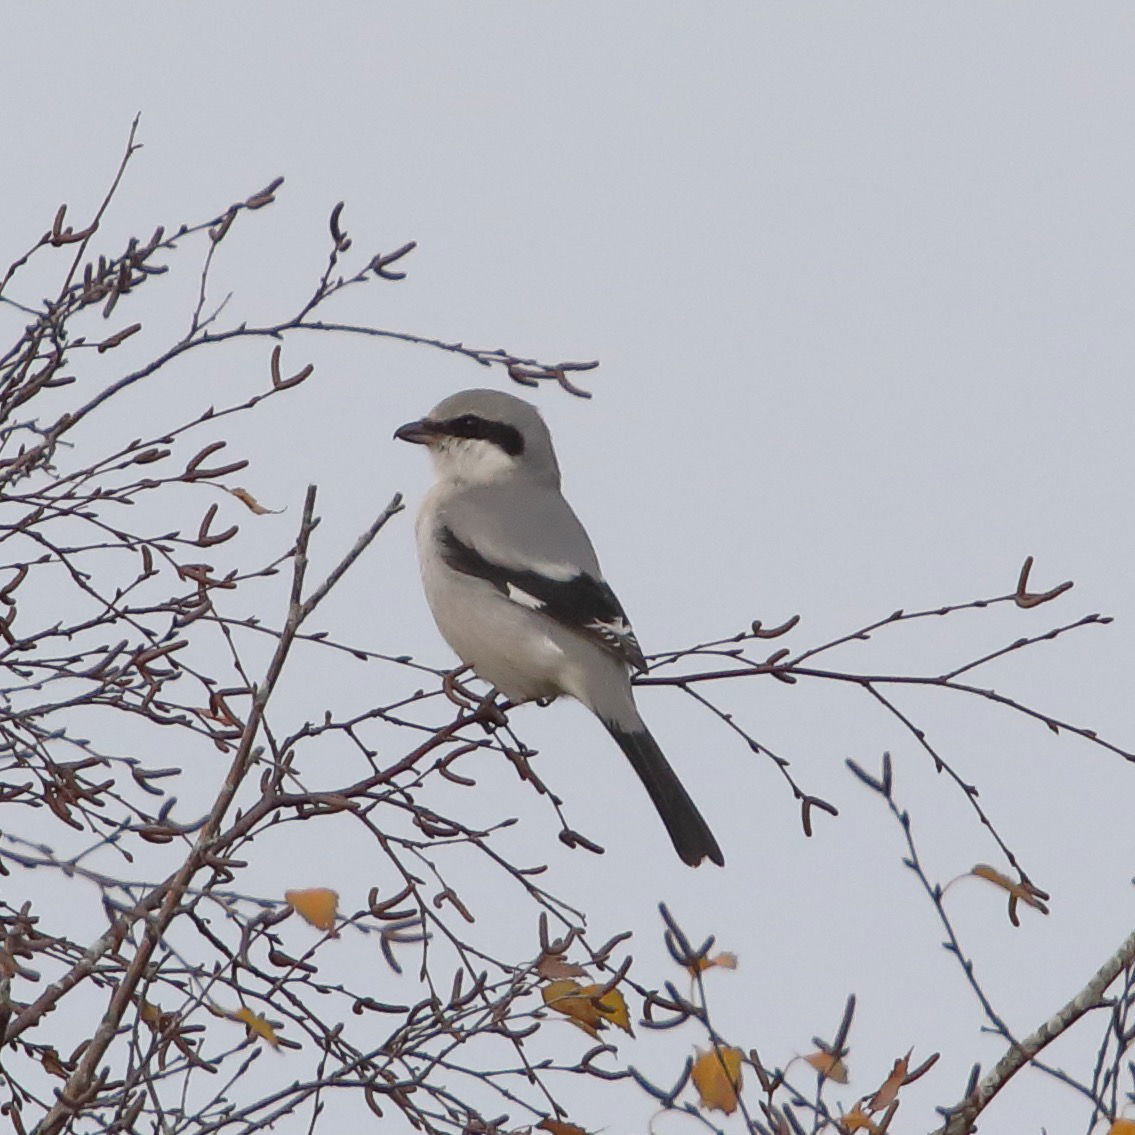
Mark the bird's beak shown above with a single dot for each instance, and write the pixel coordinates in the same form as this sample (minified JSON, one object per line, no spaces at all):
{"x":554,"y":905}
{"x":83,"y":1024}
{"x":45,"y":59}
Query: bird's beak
{"x":421,"y":432}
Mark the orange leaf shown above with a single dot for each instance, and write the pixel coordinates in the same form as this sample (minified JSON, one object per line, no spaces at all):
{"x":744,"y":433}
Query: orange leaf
{"x":559,"y":1127}
{"x":858,"y":1120}
{"x":1018,"y":892}
{"x":1122,"y":1127}
{"x":890,"y":1086}
{"x":318,"y":905}
{"x":724,"y":960}
{"x":717,"y":1078}
{"x":257,"y":1025}
{"x":828,"y":1065}
{"x":250,"y":502}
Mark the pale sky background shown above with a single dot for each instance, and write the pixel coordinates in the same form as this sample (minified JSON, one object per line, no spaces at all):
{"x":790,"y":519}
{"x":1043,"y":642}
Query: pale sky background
{"x":861,"y":280}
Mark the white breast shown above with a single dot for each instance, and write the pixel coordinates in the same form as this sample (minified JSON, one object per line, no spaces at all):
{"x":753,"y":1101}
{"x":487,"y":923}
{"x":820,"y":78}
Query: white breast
{"x":505,"y":642}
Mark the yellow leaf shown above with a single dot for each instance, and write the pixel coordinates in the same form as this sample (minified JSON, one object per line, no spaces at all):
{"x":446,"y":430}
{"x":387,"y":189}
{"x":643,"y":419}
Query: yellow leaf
{"x":585,"y":1007}
{"x":567,"y":997}
{"x":257,"y":1025}
{"x":717,"y":1078}
{"x":828,"y":1065}
{"x":612,"y":1007}
{"x":247,"y":499}
{"x":1122,"y":1127}
{"x":151,"y":1014}
{"x":560,"y":1127}
{"x":724,"y":960}
{"x":890,"y":1086}
{"x":318,"y":905}
{"x":857,"y":1120}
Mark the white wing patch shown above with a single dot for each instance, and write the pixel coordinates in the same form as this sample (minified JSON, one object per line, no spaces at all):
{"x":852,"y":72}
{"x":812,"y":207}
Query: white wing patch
{"x":561,"y":573}
{"x":519,"y":595}
{"x":582,"y":602}
{"x":617,"y":632}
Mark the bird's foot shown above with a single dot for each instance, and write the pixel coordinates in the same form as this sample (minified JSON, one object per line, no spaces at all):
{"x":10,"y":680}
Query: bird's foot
{"x":489,"y":713}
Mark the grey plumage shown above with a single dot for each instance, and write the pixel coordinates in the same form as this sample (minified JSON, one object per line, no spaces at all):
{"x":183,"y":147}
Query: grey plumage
{"x":516,"y":589}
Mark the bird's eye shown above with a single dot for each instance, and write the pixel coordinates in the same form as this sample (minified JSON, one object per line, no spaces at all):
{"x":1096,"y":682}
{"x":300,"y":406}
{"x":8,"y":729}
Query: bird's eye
{"x":467,"y":425}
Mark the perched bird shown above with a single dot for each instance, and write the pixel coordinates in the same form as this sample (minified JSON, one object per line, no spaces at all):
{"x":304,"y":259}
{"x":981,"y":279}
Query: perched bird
{"x":516,"y":589}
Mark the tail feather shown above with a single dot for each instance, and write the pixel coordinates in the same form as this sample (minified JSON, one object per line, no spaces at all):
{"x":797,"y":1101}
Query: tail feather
{"x":689,"y":832}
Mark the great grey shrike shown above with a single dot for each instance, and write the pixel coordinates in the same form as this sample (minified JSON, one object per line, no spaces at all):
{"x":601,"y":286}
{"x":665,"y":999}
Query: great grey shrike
{"x":515,"y":587}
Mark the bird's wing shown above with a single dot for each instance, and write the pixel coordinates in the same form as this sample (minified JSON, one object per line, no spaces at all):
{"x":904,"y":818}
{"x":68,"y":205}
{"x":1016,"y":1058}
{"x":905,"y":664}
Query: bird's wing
{"x":532,"y":548}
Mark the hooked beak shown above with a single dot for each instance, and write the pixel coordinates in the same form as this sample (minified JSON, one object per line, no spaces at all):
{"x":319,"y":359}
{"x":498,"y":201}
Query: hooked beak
{"x":421,"y":432}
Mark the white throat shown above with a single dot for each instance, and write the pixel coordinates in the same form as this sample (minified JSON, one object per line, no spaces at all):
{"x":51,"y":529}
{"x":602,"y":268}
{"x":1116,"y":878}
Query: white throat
{"x":472,"y":461}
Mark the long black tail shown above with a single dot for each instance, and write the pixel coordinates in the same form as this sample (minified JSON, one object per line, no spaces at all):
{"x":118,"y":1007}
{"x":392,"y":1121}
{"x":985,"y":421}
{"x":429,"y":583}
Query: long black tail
{"x":690,"y":833}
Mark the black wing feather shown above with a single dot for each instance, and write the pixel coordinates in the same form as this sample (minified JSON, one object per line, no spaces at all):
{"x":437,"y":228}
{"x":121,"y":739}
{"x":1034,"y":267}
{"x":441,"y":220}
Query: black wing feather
{"x":583,"y":603}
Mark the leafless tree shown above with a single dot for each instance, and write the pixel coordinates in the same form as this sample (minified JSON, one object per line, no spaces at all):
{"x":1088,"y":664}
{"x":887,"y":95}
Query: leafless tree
{"x":145,"y":636}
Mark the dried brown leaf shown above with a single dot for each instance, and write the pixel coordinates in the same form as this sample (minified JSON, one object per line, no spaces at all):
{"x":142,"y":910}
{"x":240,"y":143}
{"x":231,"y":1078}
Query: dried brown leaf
{"x":553,"y":967}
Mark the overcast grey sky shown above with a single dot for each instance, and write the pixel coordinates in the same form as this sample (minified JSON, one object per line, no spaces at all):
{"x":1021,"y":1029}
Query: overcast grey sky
{"x":860,"y":278}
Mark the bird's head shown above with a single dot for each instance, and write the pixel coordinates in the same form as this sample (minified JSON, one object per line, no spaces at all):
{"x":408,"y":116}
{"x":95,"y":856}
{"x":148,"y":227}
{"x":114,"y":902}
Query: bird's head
{"x":485,"y":436}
